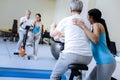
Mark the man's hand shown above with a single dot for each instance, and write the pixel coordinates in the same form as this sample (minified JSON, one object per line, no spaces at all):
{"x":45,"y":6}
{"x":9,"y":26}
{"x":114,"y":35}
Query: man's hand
{"x":53,"y":25}
{"x":53,"y":31}
{"x":52,"y":28}
{"x":79,"y":23}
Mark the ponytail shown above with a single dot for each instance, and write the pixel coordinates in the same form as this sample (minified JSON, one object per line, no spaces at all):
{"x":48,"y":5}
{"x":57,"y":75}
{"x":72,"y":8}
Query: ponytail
{"x":102,"y":21}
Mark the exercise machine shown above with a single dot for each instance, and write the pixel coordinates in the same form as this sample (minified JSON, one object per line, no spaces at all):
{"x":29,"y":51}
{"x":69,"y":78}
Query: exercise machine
{"x":23,"y":51}
{"x":56,"y":47}
{"x":78,"y":70}
{"x":11,"y":34}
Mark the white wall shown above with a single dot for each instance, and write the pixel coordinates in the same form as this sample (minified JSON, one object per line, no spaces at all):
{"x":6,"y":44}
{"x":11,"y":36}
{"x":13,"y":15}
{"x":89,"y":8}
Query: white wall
{"x":111,"y":13}
{"x":14,"y":9}
{"x":62,"y":9}
{"x":91,"y":4}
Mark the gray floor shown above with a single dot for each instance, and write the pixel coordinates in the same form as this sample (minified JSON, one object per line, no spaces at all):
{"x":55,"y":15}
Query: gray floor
{"x":45,"y":60}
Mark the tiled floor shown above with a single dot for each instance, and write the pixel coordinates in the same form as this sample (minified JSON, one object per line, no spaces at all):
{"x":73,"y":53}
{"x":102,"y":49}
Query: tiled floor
{"x":45,"y":60}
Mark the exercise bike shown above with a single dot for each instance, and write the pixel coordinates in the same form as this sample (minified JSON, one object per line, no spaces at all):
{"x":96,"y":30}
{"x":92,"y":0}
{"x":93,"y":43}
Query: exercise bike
{"x":24,"y":45}
{"x":23,"y":48}
{"x":56,"y":47}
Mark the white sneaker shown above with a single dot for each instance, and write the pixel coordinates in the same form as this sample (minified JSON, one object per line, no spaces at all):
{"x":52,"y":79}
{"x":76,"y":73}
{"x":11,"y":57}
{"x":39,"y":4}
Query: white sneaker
{"x":35,"y":57}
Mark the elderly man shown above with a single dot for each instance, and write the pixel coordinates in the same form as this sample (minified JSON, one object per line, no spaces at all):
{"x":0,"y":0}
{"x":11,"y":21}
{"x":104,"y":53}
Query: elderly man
{"x":77,"y":48}
{"x":24,"y":21}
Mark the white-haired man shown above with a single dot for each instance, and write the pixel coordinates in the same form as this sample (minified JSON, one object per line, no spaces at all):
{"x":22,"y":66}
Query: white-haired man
{"x":24,"y":21}
{"x":77,"y":48}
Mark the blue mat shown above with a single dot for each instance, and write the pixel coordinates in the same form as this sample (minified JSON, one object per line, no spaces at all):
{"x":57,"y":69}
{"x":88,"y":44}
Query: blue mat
{"x":26,"y":73}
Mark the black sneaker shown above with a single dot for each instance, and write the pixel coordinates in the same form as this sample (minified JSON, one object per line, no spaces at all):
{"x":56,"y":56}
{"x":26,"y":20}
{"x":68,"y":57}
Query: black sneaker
{"x":112,"y":78}
{"x":16,"y":53}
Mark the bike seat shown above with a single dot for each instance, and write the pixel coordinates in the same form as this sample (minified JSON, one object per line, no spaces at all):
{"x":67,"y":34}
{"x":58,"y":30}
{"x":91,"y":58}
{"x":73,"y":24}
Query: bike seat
{"x":78,"y":67}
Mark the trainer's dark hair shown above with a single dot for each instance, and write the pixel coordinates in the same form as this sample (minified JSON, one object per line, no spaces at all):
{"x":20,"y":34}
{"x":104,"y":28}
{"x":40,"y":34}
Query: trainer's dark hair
{"x":38,"y":14}
{"x":96,"y":15}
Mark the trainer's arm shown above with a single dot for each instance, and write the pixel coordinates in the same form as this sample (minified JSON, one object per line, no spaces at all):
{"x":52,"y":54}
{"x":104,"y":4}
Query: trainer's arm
{"x":93,"y":36}
{"x":41,"y":29}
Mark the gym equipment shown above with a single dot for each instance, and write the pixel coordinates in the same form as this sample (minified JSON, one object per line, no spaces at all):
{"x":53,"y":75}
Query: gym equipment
{"x":46,"y":34}
{"x":113,"y":48}
{"x":41,"y":39}
{"x":22,"y":52}
{"x":14,"y":34}
{"x":26,"y":73}
{"x":34,"y":45}
{"x":5,"y":34}
{"x":56,"y":48}
{"x":11,"y":34}
{"x":77,"y":70}
{"x":113,"y":78}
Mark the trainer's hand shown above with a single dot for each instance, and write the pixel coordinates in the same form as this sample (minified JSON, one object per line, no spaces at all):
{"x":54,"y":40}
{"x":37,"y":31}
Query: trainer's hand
{"x":33,"y":35}
{"x":79,"y":22}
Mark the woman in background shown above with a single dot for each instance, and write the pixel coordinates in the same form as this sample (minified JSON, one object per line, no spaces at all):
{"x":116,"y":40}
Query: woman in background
{"x":37,"y":33}
{"x":98,"y":37}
